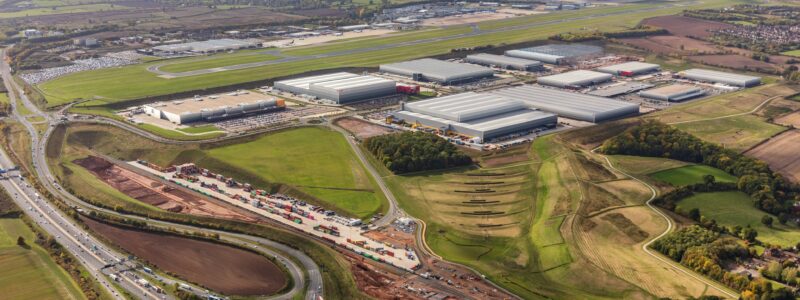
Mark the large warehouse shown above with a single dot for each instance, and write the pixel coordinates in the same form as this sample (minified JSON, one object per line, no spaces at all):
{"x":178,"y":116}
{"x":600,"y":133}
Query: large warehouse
{"x":673,"y":92}
{"x":575,"y":79}
{"x":505,"y":62}
{"x":213,"y":108}
{"x":721,"y":77}
{"x":482,"y":116}
{"x":568,"y":104}
{"x":444,"y":72}
{"x":558,"y":54}
{"x":339,"y":87}
{"x":209,"y":46}
{"x":631,"y":68}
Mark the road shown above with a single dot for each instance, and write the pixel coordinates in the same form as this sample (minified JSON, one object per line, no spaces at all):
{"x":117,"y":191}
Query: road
{"x":473,"y":33}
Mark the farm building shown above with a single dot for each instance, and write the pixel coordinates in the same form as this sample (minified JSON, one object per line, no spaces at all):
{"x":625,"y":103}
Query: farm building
{"x":213,"y":108}
{"x":209,"y":46}
{"x":721,"y":77}
{"x":569,"y":104}
{"x":505,"y":62}
{"x":631,"y":68}
{"x":574,"y":79}
{"x":339,"y":87}
{"x":674,"y":92}
{"x":482,"y":116}
{"x":558,"y":54}
{"x":444,"y":72}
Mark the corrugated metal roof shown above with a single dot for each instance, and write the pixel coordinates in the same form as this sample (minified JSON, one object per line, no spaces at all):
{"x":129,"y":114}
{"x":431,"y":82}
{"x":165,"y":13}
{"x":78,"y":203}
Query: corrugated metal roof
{"x":465,"y":106}
{"x":577,"y":77}
{"x":631,"y":66}
{"x":304,"y":82}
{"x":569,"y":104}
{"x":434,"y":68}
{"x":502,"y":60}
{"x":565,"y":50}
{"x":719,"y":75}
{"x":352,"y":82}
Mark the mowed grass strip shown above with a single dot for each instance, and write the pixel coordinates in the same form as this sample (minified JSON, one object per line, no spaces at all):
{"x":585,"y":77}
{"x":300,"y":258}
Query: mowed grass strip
{"x":318,"y":161}
{"x":215,"y":62}
{"x":691,"y":175}
{"x":792,"y":53}
{"x":736,"y":208}
{"x":30,"y":273}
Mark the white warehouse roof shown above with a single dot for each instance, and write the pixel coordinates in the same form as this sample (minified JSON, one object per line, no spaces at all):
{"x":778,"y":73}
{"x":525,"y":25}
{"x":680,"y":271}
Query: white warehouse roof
{"x":574,"y":78}
{"x":630,"y":68}
{"x":438,"y":70}
{"x":569,"y":104}
{"x":674,"y":92}
{"x":721,"y":77}
{"x":465,"y":106}
{"x":339,"y":87}
{"x":305,"y":82}
{"x":556,"y":53}
{"x":503,"y":61}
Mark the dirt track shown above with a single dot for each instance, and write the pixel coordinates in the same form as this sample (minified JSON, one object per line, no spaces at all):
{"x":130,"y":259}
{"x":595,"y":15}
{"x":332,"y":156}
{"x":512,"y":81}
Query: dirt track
{"x":221,"y":268}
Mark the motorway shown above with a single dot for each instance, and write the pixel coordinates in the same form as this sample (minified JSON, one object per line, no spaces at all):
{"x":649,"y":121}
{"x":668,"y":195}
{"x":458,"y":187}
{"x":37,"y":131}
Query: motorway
{"x":475,"y":32}
{"x":90,"y":251}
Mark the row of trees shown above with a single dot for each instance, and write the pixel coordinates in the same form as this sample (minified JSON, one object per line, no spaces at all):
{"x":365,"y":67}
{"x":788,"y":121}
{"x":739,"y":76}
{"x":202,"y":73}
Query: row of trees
{"x":601,"y":35}
{"x":415,"y":151}
{"x":770,"y":192}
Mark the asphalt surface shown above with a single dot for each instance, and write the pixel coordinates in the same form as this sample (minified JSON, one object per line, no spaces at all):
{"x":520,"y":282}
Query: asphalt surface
{"x":476,"y":31}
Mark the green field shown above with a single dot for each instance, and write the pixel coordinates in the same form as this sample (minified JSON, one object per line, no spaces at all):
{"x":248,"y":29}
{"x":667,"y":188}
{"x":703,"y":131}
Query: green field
{"x":60,"y":10}
{"x":200,"y":129}
{"x":738,"y":133}
{"x":792,"y":53}
{"x":110,"y":85}
{"x":215,"y":62}
{"x":30,"y":273}
{"x":691,"y":175}
{"x":736,"y":208}
{"x":640,"y":165}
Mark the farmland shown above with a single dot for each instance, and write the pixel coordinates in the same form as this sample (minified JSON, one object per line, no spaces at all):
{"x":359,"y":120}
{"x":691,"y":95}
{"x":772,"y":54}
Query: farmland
{"x":691,"y":175}
{"x":737,"y":133}
{"x":736,"y":208}
{"x":780,"y":154}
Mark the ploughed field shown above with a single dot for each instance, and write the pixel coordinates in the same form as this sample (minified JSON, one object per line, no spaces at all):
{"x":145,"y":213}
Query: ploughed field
{"x":221,"y":268}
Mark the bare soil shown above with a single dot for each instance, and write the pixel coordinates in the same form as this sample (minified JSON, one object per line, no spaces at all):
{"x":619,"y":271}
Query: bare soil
{"x":221,"y":268}
{"x":362,"y":129}
{"x":686,"y":26}
{"x":780,"y":152}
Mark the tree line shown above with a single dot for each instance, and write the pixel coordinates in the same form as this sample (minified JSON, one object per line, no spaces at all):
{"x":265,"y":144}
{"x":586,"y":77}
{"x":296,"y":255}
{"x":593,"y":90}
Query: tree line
{"x":415,"y":151}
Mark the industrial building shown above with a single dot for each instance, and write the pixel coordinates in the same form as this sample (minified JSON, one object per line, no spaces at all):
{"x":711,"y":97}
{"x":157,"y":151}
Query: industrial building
{"x":674,"y":92}
{"x":213,"y":108}
{"x":621,"y":89}
{"x":558,"y":54}
{"x":720,"y":77}
{"x":631,"y":68}
{"x":444,"y":72}
{"x":569,"y":104}
{"x":481,"y":116}
{"x":339,"y":87}
{"x":209,"y":46}
{"x":505,"y":62}
{"x":575,"y":79}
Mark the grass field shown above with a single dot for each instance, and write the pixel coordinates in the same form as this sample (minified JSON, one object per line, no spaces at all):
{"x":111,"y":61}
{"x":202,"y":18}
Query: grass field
{"x":200,"y":129}
{"x":691,"y":175}
{"x":61,"y":10}
{"x":640,"y":165}
{"x":792,"y":53}
{"x":215,"y":62}
{"x":736,"y":208}
{"x":108,"y":85}
{"x":30,"y":273}
{"x":738,"y":133}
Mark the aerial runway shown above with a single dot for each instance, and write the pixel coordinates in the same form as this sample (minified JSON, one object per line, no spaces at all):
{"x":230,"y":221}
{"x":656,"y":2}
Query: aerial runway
{"x":475,"y":32}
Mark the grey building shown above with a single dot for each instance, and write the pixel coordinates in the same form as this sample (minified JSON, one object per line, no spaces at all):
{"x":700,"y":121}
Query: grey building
{"x":721,"y":77}
{"x":558,"y":54}
{"x":674,"y":92}
{"x":484,"y":116}
{"x":569,"y":104}
{"x":505,"y":62}
{"x":574,"y":79}
{"x":630,"y":68}
{"x":444,"y":72}
{"x":339,"y":87}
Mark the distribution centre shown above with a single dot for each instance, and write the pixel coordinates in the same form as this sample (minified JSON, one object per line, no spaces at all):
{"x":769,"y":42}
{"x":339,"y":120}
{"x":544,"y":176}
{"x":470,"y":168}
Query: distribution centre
{"x":505,"y":62}
{"x":630,"y":68}
{"x":213,"y":108}
{"x":339,"y":87}
{"x":569,"y":104}
{"x":444,"y":72}
{"x":575,"y":79}
{"x":721,"y":77}
{"x":673,"y":92}
{"x":558,"y":54}
{"x":481,"y":116}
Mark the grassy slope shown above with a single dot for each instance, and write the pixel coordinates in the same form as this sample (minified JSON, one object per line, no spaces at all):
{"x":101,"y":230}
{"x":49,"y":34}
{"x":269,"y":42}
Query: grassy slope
{"x":691,"y":174}
{"x":110,"y":84}
{"x":738,"y":133}
{"x":736,"y":208}
{"x":639,"y":165}
{"x":30,"y":273}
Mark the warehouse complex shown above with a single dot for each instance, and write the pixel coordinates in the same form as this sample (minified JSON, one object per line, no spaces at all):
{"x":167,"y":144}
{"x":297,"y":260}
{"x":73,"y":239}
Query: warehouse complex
{"x":631,"y":68}
{"x":481,"y":116}
{"x":440,"y":71}
{"x":721,"y":77}
{"x":339,"y":87}
{"x":575,"y":79}
{"x":213,"y":108}
{"x":505,"y":62}
{"x":558,"y":54}
{"x":674,"y":92}
{"x":570,"y":105}
{"x":209,"y":46}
